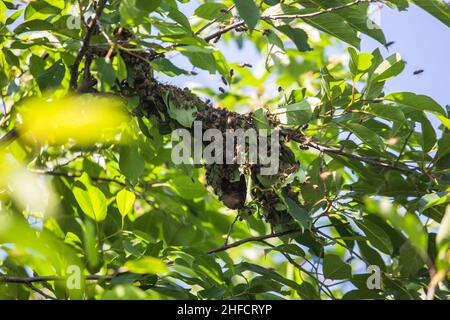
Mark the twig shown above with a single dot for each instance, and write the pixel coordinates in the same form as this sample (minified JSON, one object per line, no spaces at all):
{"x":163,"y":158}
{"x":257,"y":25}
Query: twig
{"x":253,"y":239}
{"x":42,"y":293}
{"x":435,"y":280}
{"x":230,"y":229}
{"x":361,"y":158}
{"x":84,"y":47}
{"x":74,"y":176}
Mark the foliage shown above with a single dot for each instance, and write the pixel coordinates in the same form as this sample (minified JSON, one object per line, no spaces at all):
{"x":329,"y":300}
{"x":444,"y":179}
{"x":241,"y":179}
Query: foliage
{"x":87,"y":179}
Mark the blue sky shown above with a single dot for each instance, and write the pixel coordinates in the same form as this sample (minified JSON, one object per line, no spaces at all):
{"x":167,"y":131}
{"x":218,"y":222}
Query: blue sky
{"x":422,"y":40}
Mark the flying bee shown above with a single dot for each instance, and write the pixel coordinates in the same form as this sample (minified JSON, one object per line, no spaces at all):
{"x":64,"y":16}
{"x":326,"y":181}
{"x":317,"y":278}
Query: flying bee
{"x":388,"y":44}
{"x":419,"y":71}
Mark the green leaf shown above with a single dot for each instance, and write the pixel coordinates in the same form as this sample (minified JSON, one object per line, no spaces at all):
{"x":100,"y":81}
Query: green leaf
{"x":167,"y":67}
{"x":40,"y":10}
{"x":202,"y":58}
{"x":416,"y":101}
{"x":148,"y":5}
{"x":177,"y":16}
{"x":298,"y":36}
{"x":297,"y":113}
{"x":125,"y":201}
{"x":386,"y":111}
{"x":377,"y":237}
{"x":120,"y":68}
{"x":389,"y":68}
{"x":428,"y":134}
{"x":210,"y":10}
{"x":133,"y":12}
{"x":443,"y":146}
{"x":33,"y":25}
{"x":147,"y":265}
{"x":131,"y":163}
{"x":410,"y":261}
{"x":438,"y":8}
{"x":248,"y":11}
{"x":52,"y":77}
{"x":407,"y":223}
{"x":366,"y":135}
{"x":183,"y":116}
{"x":359,"y":63}
{"x":433,"y":199}
{"x":299,"y":214}
{"x":334,"y":268}
{"x":335,"y":26}
{"x":90,"y":246}
{"x":188,"y":188}
{"x":260,"y":119}
{"x":90,"y":199}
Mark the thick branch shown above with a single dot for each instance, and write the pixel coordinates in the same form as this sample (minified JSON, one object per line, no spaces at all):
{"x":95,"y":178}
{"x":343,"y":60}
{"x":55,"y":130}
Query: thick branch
{"x":85,"y":46}
{"x":28,"y":280}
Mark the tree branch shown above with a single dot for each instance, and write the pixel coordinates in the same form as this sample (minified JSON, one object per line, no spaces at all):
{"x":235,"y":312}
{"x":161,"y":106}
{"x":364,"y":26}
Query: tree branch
{"x":85,"y":46}
{"x":28,"y":280}
{"x":385,"y":165}
{"x":286,"y":17}
{"x":8,"y":138}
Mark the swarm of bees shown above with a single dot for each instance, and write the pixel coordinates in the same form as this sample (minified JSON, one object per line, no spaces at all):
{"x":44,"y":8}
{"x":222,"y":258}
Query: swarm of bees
{"x":229,"y":181}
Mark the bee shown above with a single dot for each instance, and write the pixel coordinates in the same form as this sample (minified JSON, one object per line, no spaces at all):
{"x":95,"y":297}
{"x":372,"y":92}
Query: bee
{"x":388,"y":44}
{"x":419,"y":71}
{"x":221,"y":89}
{"x":245,"y":65}
{"x":231,"y":73}
{"x":194,"y":73}
{"x":224,"y":80}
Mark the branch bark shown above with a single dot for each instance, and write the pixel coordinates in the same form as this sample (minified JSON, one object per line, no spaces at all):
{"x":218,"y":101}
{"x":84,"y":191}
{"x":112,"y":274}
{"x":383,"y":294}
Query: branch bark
{"x":85,"y":46}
